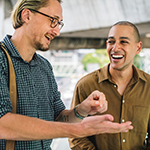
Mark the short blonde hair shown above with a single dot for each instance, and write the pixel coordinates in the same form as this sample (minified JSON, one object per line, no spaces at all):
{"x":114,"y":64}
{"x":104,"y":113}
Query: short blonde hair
{"x":29,"y":4}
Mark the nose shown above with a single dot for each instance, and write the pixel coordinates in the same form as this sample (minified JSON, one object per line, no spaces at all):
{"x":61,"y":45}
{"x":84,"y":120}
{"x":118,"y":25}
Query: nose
{"x":116,"y":46}
{"x":56,"y":31}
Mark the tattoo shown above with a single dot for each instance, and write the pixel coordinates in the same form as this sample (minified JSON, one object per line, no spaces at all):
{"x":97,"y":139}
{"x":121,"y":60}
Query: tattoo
{"x":64,"y":118}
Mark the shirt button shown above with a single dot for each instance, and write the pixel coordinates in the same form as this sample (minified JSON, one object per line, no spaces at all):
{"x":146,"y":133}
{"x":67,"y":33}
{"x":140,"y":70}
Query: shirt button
{"x":122,"y":120}
{"x":115,"y":86}
{"x":123,"y":140}
{"x":123,"y":101}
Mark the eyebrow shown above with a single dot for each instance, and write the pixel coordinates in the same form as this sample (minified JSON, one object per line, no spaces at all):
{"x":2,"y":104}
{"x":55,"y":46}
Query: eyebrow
{"x":111,"y":37}
{"x":57,"y":17}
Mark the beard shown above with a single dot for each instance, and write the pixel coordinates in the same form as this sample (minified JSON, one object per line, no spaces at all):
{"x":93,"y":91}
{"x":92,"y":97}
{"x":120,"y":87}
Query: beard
{"x":41,"y":47}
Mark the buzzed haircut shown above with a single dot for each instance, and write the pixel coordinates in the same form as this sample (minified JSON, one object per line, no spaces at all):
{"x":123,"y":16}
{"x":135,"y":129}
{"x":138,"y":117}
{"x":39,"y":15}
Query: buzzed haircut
{"x":136,"y":31}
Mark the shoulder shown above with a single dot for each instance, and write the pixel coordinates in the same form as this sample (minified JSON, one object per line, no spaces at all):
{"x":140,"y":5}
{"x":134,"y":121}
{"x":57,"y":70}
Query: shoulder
{"x":146,"y":75}
{"x":143,"y":75}
{"x":43,"y":61}
{"x":3,"y":65}
{"x":3,"y":59}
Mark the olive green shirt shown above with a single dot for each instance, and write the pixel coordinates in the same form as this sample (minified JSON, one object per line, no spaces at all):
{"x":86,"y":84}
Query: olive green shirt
{"x":133,"y":105}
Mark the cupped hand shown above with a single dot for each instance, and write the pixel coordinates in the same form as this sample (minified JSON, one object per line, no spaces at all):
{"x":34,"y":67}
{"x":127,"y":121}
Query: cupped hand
{"x":103,"y":124}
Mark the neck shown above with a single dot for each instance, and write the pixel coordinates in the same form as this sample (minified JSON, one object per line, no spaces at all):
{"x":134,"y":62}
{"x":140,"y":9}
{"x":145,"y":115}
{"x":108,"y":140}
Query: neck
{"x":23,"y":46}
{"x":121,"y":76}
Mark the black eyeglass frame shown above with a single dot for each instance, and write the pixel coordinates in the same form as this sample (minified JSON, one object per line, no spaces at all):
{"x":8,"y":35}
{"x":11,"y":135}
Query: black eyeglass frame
{"x":60,"y":23}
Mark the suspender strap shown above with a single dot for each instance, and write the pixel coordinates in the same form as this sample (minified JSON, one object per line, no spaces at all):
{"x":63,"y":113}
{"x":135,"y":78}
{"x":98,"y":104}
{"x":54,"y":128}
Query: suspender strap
{"x":10,"y":145}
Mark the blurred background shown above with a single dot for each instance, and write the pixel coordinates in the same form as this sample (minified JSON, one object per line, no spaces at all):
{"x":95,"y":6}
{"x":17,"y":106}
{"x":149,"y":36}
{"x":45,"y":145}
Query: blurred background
{"x":81,"y":48}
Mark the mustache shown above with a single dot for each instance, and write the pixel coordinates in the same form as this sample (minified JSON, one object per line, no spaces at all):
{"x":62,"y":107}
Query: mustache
{"x":117,"y":53}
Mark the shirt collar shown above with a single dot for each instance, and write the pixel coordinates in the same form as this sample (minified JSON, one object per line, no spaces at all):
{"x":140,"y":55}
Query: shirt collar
{"x":138,"y":74}
{"x":105,"y":75}
{"x":14,"y":52}
{"x":10,"y":47}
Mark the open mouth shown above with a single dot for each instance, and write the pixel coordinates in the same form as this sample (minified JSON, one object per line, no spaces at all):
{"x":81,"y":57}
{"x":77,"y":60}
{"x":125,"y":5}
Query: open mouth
{"x":117,"y":56}
{"x":48,"y":37}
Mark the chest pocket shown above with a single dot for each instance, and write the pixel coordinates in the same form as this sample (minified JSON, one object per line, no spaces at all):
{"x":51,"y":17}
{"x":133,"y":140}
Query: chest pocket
{"x":140,"y":119}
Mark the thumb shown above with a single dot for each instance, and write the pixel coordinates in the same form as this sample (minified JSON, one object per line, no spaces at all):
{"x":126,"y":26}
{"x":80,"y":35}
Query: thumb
{"x":95,"y":103}
{"x":107,"y":117}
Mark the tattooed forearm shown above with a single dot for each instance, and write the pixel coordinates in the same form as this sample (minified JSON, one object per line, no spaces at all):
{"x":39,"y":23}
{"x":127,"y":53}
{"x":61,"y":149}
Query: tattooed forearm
{"x":64,"y":118}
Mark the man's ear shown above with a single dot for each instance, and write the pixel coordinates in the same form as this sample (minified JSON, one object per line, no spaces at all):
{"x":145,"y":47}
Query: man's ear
{"x":26,"y":15}
{"x":139,"y":47}
{"x":106,"y":42}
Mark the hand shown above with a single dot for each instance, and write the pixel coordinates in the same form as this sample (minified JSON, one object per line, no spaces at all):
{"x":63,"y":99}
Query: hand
{"x":94,"y":103}
{"x":102,"y":124}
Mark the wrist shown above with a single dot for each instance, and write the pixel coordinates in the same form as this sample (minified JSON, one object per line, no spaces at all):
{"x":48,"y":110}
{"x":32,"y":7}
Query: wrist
{"x":77,"y":113}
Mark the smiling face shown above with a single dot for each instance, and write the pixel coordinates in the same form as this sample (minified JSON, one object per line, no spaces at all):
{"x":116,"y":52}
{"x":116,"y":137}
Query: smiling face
{"x":122,"y":47}
{"x":40,"y":33}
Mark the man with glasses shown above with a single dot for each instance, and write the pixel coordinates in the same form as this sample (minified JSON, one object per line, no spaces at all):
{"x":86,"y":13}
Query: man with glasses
{"x":41,"y":114}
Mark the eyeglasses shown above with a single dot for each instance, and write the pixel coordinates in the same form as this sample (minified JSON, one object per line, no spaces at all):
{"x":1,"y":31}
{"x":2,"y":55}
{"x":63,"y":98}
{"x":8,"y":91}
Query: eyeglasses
{"x":54,"y":21}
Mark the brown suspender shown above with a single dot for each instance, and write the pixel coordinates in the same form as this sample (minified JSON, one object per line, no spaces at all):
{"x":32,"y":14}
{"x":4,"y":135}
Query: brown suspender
{"x":10,"y":145}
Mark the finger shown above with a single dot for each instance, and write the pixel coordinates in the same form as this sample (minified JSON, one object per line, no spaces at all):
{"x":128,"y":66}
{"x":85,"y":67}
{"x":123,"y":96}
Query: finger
{"x":100,"y":118}
{"x":98,"y":109}
{"x":106,"y":117}
{"x":111,"y":127}
{"x":101,"y":109}
{"x":103,"y":106}
{"x":124,"y":127}
{"x":94,"y":103}
{"x":101,"y":99}
{"x":96,"y":95}
{"x":99,"y":103}
{"x":129,"y":125}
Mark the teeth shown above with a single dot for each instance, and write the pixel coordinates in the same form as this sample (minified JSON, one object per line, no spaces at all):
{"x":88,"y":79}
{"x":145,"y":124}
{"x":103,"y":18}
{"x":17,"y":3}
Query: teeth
{"x":48,"y":37}
{"x":117,"y":56}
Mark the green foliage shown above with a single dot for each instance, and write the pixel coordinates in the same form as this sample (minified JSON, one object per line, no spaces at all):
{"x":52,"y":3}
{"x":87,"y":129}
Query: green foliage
{"x":99,"y":56}
{"x":138,"y":62}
